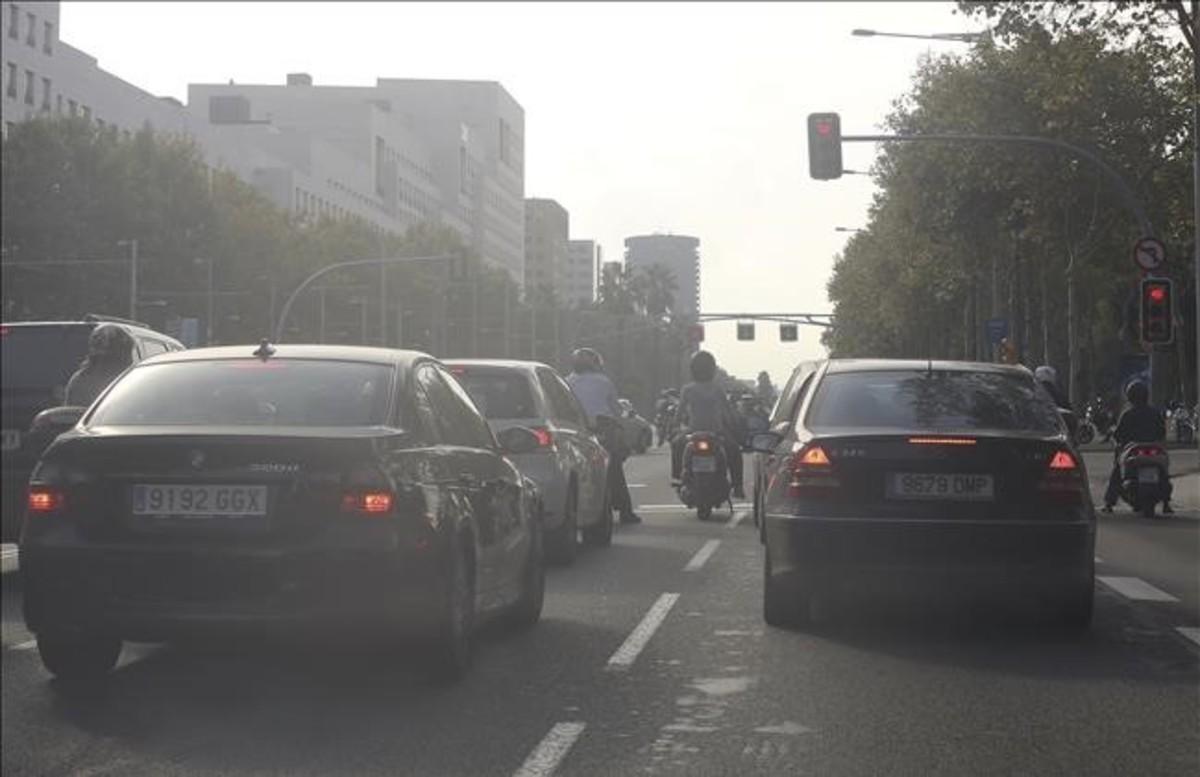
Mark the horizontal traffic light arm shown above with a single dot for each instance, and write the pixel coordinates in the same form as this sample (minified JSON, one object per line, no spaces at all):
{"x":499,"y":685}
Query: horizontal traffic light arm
{"x":1127,"y":194}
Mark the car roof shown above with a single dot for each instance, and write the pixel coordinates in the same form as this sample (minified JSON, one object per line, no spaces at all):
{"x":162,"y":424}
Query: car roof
{"x":880,"y":365}
{"x":359,"y":353}
{"x":135,"y":328}
{"x":504,"y":364}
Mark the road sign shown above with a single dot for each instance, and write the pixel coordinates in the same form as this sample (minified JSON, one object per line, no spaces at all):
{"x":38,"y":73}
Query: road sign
{"x":997,"y":329}
{"x":1149,"y":254}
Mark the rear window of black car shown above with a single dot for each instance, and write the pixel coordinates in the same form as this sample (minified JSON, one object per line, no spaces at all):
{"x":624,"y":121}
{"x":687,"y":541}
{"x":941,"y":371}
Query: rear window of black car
{"x":941,"y":401}
{"x":499,"y":394}
{"x":279,"y":392}
{"x":41,"y":357}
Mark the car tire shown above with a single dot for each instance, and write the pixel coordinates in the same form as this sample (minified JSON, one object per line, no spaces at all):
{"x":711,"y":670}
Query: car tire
{"x":600,"y":533}
{"x":453,"y":648}
{"x":528,"y":609}
{"x":784,"y":606}
{"x":79,"y":661}
{"x":562,"y":544}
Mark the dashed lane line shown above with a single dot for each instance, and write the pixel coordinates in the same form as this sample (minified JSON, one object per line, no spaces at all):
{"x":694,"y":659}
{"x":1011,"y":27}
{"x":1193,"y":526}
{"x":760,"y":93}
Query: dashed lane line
{"x":641,"y":634}
{"x":549,"y":753}
{"x":702,"y":555}
{"x":737,"y":517}
{"x":1137,"y":589}
{"x":1191,"y":632}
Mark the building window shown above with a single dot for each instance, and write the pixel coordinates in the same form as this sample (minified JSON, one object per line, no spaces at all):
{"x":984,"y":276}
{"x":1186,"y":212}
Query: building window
{"x":48,"y":37}
{"x":45,"y":94}
{"x":11,"y":89}
{"x":29,"y":82}
{"x":31,"y":36}
{"x":14,"y":21}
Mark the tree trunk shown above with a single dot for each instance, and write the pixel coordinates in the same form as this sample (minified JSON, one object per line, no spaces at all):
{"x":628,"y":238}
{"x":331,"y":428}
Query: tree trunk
{"x":1072,"y":334}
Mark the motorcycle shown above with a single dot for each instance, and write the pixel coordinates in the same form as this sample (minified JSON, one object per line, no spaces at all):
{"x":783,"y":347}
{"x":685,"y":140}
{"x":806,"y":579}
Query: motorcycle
{"x":1145,"y":472}
{"x":1097,"y":423}
{"x":705,"y":480}
{"x":1180,"y":419}
{"x":662,"y":420}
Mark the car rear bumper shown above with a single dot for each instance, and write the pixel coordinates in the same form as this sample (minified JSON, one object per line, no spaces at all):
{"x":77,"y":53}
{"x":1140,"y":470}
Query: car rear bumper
{"x":551,"y":482}
{"x":1016,"y":552}
{"x":154,"y":596}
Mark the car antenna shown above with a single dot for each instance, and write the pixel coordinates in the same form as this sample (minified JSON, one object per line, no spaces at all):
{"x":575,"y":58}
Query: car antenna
{"x":265,"y":350}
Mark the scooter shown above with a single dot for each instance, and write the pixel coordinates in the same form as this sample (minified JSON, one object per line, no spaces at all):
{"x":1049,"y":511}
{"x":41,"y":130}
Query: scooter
{"x":1145,"y":472}
{"x":1179,"y":418}
{"x":705,"y":481}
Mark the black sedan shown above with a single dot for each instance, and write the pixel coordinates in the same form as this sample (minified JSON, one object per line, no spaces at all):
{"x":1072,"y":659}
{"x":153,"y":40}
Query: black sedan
{"x":949,"y":475}
{"x":279,"y":489}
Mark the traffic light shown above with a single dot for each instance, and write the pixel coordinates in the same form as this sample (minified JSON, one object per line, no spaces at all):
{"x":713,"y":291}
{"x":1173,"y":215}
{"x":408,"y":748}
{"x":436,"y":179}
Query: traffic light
{"x":824,"y":146}
{"x":788,"y":333}
{"x":1158,"y":325}
{"x":745,"y":330}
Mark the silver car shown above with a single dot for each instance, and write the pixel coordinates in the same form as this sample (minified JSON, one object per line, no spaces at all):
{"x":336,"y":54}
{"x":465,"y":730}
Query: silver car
{"x":570,"y":467}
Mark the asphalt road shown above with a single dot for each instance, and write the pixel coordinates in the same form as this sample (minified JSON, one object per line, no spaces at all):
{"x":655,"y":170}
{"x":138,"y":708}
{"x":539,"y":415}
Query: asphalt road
{"x":652,"y":659}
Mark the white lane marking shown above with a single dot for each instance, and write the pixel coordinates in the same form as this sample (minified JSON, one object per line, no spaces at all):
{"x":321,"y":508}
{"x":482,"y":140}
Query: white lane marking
{"x":702,"y":555}
{"x":28,"y":645}
{"x":546,"y":757}
{"x":737,"y":518}
{"x":1191,"y":632}
{"x":641,"y":634}
{"x":1136,"y":588}
{"x":661,"y":507}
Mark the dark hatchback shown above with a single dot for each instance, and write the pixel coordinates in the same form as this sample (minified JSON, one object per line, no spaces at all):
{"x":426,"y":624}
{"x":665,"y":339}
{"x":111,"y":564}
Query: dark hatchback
{"x":294,"y":489}
{"x":942,"y":476}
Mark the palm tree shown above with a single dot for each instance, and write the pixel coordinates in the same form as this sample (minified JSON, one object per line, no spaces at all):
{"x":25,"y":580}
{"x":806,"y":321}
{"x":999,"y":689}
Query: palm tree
{"x":660,"y":287}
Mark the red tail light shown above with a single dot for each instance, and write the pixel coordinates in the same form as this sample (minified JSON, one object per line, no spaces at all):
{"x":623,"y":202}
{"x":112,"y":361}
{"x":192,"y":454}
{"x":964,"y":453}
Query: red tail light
{"x":1063,"y":480}
{"x":1062,"y":460}
{"x":544,"y":436}
{"x":367,"y":502}
{"x":941,"y":441}
{"x":812,"y":471}
{"x":1147,"y":450}
{"x":45,"y":500}
{"x":703,"y":446}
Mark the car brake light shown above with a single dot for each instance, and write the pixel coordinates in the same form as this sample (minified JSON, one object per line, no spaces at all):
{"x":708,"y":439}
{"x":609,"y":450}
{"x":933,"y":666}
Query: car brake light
{"x":367,"y":502}
{"x":544,"y":436}
{"x":1062,"y":460}
{"x":812,"y":470}
{"x":45,"y":500}
{"x":941,"y":441}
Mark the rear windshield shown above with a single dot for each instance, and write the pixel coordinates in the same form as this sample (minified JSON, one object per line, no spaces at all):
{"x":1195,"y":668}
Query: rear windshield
{"x":943,"y":401}
{"x":282,"y":392}
{"x":41,"y":357}
{"x":498,"y":394}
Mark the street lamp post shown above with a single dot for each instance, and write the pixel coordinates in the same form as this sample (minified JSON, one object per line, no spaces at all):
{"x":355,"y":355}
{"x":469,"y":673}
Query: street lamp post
{"x":210,"y":305}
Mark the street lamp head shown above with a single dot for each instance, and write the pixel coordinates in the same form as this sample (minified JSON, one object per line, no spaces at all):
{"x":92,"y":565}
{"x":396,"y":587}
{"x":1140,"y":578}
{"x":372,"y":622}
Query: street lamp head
{"x":862,"y":33}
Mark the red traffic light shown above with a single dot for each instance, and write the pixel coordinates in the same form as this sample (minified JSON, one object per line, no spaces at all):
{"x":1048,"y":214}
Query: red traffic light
{"x":824,"y":128}
{"x":1157,"y":293}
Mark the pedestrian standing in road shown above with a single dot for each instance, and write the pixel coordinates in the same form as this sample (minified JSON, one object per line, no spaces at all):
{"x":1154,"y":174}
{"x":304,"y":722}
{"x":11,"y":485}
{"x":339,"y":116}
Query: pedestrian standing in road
{"x":598,"y":396}
{"x":110,"y":352}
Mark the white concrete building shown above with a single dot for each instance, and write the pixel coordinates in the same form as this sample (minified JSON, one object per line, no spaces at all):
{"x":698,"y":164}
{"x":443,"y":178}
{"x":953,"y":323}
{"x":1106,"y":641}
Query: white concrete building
{"x":43,"y":76}
{"x":579,"y":283}
{"x":547,"y":226}
{"x":680,"y":255}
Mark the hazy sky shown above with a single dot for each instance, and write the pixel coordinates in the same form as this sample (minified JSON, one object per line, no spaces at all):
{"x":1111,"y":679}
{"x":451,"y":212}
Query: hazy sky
{"x":639,"y":117}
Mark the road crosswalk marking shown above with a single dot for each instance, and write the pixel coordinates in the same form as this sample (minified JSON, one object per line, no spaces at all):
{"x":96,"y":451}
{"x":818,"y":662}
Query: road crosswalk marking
{"x":1191,"y":632}
{"x":1137,"y":589}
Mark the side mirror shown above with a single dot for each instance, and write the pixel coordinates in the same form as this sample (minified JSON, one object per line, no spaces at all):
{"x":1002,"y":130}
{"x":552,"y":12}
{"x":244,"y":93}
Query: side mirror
{"x":765,"y":442}
{"x":517,"y":440}
{"x":56,"y":420}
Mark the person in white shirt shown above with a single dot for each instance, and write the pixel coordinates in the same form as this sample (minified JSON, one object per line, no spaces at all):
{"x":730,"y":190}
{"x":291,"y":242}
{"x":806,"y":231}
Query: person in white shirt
{"x":598,"y":396}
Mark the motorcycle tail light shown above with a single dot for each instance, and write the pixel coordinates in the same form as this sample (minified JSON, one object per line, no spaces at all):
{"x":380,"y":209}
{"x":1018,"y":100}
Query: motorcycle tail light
{"x":703,"y":446}
{"x":1148,"y":450}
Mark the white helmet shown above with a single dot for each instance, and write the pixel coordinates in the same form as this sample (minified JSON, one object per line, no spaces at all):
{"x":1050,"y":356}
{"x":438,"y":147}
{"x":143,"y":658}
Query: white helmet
{"x":1046,"y":374}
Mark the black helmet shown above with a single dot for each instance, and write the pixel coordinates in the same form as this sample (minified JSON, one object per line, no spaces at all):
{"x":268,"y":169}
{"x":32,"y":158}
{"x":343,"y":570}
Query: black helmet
{"x":703,"y":367}
{"x":109,"y":342}
{"x":586,"y":360}
{"x":1137,"y":392}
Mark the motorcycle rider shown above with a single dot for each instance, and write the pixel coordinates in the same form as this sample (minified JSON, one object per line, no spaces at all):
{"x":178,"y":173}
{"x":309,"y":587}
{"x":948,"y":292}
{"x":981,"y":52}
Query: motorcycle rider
{"x":1140,"y":422}
{"x":703,"y":407}
{"x":1047,"y":376}
{"x":664,"y":411}
{"x":598,"y":396}
{"x":110,"y":352}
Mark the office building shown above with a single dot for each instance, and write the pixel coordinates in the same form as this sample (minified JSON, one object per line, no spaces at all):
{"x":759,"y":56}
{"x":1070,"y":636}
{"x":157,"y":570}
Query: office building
{"x":679,"y":255}
{"x":579,"y":282}
{"x":546,"y":228}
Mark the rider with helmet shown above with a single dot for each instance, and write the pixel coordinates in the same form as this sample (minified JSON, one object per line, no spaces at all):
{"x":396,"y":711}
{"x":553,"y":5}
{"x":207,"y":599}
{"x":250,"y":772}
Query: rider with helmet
{"x":1047,"y":377}
{"x":703,"y":407}
{"x":110,"y":352}
{"x":1140,"y":422}
{"x":598,"y":396}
